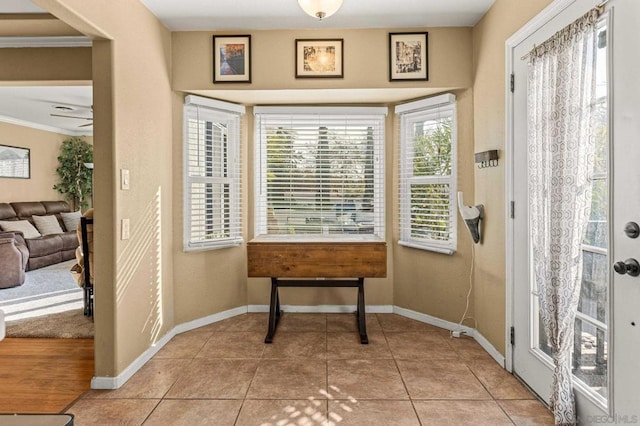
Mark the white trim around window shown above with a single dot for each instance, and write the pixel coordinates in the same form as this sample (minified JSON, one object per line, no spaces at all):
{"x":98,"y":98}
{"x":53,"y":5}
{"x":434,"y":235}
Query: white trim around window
{"x":211,"y":170}
{"x":427,"y":181}
{"x":319,"y":171}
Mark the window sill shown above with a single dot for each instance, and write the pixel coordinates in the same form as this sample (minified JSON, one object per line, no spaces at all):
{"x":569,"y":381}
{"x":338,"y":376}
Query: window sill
{"x":320,"y":238}
{"x":418,"y":246}
{"x":233,"y":242}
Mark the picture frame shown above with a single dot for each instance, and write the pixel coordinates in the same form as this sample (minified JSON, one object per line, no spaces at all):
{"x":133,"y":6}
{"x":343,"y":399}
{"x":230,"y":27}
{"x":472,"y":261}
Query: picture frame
{"x":408,"y":56}
{"x":320,"y":58}
{"x":15,"y":162}
{"x":232,"y":59}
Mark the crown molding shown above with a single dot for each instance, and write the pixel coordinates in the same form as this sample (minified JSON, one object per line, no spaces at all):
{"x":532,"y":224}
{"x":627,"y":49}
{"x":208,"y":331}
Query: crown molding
{"x":53,"y":129}
{"x":57,"y":41}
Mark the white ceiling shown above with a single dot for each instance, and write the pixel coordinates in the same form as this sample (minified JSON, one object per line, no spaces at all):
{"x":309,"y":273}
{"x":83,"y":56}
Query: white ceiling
{"x":35,"y":104}
{"x":19,"y":6}
{"x":32,"y":105}
{"x":216,"y":15}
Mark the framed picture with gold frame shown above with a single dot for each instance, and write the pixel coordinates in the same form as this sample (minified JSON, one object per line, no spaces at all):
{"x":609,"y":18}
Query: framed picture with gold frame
{"x":319,"y":58}
{"x":232,"y":59}
{"x":408,"y":56}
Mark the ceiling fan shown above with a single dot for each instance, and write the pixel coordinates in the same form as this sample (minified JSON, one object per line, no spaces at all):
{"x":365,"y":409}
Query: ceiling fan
{"x":63,"y":108}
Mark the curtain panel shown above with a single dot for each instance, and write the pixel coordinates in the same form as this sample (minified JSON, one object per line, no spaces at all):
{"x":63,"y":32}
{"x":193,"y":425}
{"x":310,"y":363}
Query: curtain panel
{"x":561,"y":95}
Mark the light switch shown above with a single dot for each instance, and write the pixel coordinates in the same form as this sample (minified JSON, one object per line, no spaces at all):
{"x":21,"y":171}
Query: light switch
{"x":124,"y":179}
{"x":125,"y":231}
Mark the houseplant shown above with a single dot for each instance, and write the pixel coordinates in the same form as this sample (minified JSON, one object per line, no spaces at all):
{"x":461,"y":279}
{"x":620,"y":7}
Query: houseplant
{"x":74,"y":178}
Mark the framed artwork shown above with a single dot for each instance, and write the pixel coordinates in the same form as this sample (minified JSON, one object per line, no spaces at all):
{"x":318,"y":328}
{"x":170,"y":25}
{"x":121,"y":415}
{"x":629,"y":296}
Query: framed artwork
{"x":15,"y":162}
{"x":232,"y":59}
{"x":319,"y":58}
{"x":408,"y":56}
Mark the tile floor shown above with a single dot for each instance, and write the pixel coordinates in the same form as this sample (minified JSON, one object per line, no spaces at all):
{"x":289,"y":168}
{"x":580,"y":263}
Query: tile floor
{"x":316,"y":372}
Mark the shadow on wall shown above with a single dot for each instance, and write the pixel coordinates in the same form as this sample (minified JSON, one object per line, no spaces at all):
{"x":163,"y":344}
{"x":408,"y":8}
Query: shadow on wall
{"x":142,"y":257}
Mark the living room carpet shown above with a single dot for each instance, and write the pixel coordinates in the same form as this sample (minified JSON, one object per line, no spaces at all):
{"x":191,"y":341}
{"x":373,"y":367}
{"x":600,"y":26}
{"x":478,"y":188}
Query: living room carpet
{"x":65,"y":325}
{"x":45,"y":291}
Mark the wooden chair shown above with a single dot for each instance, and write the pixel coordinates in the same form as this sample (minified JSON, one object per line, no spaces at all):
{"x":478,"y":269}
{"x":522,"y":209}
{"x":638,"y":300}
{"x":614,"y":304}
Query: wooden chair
{"x":88,"y":282}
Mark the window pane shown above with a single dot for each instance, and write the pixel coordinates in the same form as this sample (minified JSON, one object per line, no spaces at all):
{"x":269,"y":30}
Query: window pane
{"x":320,"y":175}
{"x":593,"y":293}
{"x":210,"y":211}
{"x":427,"y":177}
{"x":207,"y":148}
{"x":597,"y":229}
{"x":432,"y":147}
{"x":590,"y":356}
{"x":213,"y":218}
{"x":430,"y":212}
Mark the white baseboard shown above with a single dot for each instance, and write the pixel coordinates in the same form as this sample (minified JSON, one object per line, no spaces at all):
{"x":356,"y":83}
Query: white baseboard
{"x":482,"y":341}
{"x":121,"y":379}
{"x":201,"y":322}
{"x":116,"y":382}
{"x":448,"y":325}
{"x":324,"y":309}
{"x":437,"y":322}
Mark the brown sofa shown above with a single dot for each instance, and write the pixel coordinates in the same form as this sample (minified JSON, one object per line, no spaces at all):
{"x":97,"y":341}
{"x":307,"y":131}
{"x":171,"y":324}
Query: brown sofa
{"x":48,"y":249}
{"x":13,"y":259}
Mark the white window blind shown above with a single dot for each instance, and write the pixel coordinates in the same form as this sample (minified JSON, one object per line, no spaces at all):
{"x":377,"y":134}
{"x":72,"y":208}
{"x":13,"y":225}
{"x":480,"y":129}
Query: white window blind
{"x":320,"y":170}
{"x":428,"y":174}
{"x":212,"y":190}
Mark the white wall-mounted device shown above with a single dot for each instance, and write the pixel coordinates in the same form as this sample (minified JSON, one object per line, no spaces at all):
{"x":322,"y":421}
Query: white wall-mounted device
{"x":472,"y":216}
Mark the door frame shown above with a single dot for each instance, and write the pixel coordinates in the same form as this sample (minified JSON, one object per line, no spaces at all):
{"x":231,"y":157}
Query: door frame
{"x":518,"y":37}
{"x":535,"y":24}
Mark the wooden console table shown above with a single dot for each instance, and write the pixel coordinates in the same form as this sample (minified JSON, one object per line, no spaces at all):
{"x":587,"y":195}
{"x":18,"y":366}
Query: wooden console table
{"x":346,"y":263}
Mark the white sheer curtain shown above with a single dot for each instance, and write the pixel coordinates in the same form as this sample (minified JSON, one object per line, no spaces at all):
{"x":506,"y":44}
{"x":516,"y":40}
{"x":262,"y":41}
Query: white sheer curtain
{"x":561,"y":95}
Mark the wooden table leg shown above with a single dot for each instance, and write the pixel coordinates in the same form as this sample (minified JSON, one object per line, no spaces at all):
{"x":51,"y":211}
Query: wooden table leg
{"x":274,"y":311}
{"x":362,"y":320}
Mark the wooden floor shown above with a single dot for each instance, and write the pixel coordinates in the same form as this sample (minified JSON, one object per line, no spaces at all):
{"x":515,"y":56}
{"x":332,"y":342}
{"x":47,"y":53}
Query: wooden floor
{"x":43,"y":375}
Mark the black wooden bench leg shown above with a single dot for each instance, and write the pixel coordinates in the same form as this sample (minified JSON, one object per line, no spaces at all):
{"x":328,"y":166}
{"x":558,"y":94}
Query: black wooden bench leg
{"x":274,"y":311}
{"x":88,"y":305}
{"x":362,"y":320}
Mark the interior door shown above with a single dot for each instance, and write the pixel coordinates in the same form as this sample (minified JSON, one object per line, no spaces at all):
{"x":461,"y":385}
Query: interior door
{"x":605,"y":376}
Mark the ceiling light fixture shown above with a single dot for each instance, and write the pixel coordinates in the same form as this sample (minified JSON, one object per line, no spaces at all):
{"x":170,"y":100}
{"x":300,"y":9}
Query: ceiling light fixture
{"x":320,"y":8}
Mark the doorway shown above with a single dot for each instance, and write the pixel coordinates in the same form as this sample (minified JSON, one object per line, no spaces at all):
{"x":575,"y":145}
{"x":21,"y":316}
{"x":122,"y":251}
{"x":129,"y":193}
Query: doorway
{"x":603,"y":375}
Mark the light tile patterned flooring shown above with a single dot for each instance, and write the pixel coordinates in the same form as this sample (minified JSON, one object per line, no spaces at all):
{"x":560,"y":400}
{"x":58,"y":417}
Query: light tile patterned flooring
{"x":316,"y":372}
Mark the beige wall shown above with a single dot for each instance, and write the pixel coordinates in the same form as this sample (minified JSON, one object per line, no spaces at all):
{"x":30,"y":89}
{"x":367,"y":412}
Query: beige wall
{"x":44,"y":150}
{"x":365,"y":66}
{"x":489,"y":36}
{"x":132,"y":130}
{"x":365,"y":60}
{"x":211,"y":281}
{"x":34,"y":24}
{"x":62,"y":65}
{"x":433,"y":283}
{"x":148,"y":284}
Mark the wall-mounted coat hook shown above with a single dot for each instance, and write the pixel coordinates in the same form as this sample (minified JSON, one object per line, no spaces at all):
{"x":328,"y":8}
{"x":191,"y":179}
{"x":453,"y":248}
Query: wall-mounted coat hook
{"x":487,"y":158}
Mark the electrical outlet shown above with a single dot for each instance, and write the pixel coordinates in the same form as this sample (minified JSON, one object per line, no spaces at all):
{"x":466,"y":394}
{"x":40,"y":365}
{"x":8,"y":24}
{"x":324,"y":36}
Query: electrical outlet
{"x":457,"y":333}
{"x":125,"y":231}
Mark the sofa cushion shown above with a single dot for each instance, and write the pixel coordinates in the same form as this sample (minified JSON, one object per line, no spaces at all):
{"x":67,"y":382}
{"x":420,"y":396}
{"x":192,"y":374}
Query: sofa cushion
{"x":47,"y":225}
{"x":71,"y":220}
{"x":44,"y":246}
{"x":42,"y":261}
{"x":23,"y":226}
{"x":53,"y":207}
{"x":6,"y":211}
{"x":26,"y":209}
{"x":69,"y":240}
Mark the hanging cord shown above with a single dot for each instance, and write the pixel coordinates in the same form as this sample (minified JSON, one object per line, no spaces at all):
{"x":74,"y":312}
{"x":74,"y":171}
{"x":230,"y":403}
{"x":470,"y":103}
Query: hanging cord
{"x":466,"y":309}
